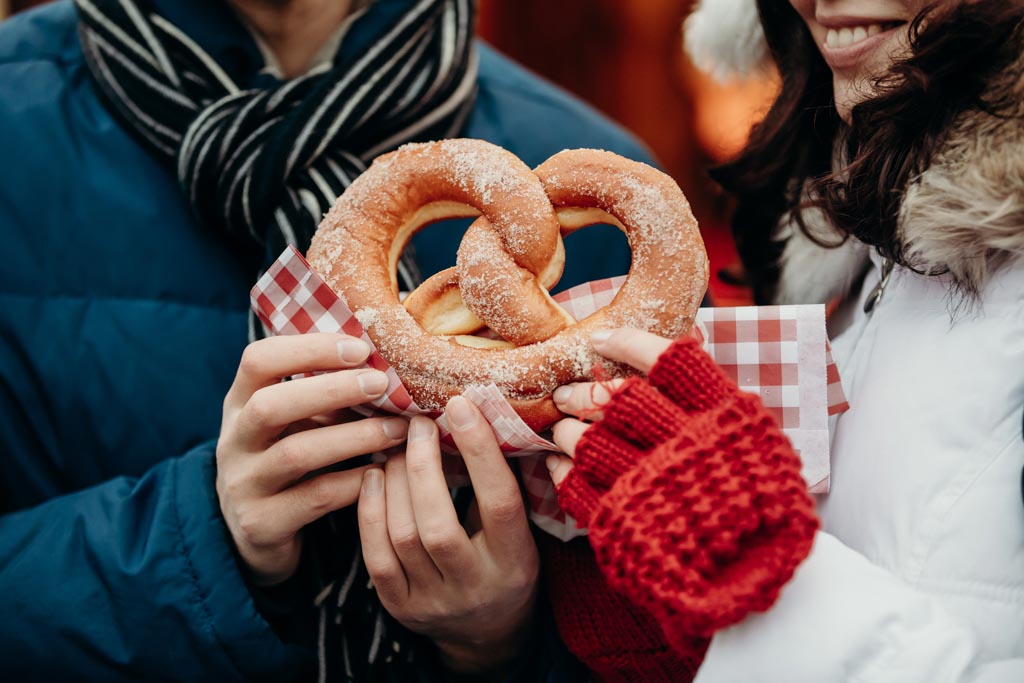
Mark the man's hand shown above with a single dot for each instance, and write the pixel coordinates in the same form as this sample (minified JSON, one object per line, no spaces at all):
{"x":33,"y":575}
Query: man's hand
{"x":474,"y":596}
{"x":276,"y":437}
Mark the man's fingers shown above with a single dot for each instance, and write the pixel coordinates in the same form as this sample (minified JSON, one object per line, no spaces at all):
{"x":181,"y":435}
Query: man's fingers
{"x":502,"y":512}
{"x":585,"y":400}
{"x":635,"y":348}
{"x":272,"y":408}
{"x":269,"y":360}
{"x":333,"y":417}
{"x":566,"y":434}
{"x":382,"y":563}
{"x":274,"y":521}
{"x":441,"y":533}
{"x":402,"y":529}
{"x":297,"y":455}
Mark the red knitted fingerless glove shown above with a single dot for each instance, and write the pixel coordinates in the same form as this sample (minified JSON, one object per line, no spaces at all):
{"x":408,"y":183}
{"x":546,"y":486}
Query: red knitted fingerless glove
{"x":693,"y":497}
{"x":616,"y":640}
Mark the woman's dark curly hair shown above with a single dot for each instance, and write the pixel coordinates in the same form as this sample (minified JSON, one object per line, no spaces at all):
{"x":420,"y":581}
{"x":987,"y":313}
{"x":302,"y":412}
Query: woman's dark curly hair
{"x":787,"y":165}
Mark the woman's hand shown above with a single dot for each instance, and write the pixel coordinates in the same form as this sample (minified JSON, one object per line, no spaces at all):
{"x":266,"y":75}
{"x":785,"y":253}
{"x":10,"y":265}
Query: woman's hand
{"x":651,"y":478}
{"x":585,"y":400}
{"x":474,"y":596}
{"x":276,"y":437}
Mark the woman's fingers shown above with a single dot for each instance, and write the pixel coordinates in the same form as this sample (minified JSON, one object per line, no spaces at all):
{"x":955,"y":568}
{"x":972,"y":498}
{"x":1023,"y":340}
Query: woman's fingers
{"x":566,"y":434}
{"x":402,"y":527}
{"x":585,"y":400}
{"x":559,"y":467}
{"x":440,"y":532}
{"x":635,"y":348}
{"x":273,"y":408}
{"x":267,"y":361}
{"x":382,"y":563}
{"x":297,"y":455}
{"x":502,"y":512}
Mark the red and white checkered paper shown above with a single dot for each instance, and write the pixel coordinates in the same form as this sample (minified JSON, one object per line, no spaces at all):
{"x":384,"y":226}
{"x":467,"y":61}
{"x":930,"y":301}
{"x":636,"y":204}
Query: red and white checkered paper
{"x":779,"y":352}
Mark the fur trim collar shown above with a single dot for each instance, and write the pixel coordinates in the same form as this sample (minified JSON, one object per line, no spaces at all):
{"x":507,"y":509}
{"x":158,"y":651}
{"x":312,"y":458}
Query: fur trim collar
{"x":964,"y":214}
{"x":812,"y":274}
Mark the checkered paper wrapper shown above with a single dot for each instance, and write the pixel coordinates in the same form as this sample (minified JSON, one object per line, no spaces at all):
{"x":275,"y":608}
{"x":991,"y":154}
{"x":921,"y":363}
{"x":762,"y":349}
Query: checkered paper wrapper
{"x":778,"y":352}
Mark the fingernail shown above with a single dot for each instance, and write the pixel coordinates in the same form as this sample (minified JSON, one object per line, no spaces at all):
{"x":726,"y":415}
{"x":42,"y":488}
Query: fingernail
{"x":396,"y":428}
{"x":562,"y":394}
{"x":373,"y":482}
{"x":372,"y":382}
{"x":552,"y":463}
{"x":600,"y":336}
{"x":353,"y":350}
{"x":421,"y":429}
{"x":461,"y":414}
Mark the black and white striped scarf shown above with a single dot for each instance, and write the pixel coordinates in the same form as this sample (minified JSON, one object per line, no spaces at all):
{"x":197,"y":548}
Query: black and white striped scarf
{"x":266,"y":164}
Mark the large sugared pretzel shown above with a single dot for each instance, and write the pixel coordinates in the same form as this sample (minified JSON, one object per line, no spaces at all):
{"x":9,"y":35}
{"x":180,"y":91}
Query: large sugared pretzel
{"x":508,"y":259}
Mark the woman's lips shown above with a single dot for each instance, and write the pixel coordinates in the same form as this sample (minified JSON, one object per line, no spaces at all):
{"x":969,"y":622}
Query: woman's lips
{"x":848,"y":46}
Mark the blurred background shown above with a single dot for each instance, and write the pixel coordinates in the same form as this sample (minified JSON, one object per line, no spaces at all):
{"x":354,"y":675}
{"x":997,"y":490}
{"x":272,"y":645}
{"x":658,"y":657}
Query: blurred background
{"x":626,"y":59}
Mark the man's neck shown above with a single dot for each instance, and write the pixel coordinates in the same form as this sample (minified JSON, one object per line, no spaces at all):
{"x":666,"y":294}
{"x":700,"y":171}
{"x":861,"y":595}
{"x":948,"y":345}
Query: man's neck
{"x":294,"y":30}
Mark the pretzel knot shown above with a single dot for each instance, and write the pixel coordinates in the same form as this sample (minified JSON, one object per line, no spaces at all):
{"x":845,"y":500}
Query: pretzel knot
{"x":508,"y":260}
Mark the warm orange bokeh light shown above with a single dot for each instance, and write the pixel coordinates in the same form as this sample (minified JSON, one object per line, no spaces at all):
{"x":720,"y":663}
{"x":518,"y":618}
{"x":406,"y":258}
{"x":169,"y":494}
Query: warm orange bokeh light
{"x":725,"y":112}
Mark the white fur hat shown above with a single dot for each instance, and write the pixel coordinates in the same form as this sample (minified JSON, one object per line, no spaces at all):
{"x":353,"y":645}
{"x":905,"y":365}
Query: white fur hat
{"x":724,"y":38}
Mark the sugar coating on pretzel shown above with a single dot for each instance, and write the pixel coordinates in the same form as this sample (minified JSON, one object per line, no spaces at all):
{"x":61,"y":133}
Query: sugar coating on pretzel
{"x":515,"y":246}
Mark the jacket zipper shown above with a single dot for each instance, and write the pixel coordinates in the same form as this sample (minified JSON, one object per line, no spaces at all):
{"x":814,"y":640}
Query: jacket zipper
{"x":876,"y":294}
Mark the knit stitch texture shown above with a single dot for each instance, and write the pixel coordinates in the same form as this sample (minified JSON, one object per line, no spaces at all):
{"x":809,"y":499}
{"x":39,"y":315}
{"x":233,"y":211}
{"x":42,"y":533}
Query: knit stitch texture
{"x":693,"y":498}
{"x":617,"y":641}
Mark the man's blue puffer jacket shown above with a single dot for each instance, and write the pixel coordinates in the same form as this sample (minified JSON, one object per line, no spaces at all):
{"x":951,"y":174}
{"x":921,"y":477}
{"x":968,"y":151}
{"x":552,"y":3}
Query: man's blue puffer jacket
{"x":121,"y":325}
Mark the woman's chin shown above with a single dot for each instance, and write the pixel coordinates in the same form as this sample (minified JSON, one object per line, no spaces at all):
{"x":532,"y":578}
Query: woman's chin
{"x":848,"y":94}
{"x":845,"y":110}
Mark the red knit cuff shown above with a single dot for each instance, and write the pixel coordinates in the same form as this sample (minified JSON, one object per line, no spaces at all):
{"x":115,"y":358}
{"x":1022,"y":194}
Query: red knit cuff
{"x":704,"y":532}
{"x":636,"y":418}
{"x":640,"y":414}
{"x":690,"y":378}
{"x":577,"y":498}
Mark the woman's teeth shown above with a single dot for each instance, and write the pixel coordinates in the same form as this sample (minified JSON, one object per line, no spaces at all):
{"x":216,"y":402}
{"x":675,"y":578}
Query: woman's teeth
{"x":845,"y":37}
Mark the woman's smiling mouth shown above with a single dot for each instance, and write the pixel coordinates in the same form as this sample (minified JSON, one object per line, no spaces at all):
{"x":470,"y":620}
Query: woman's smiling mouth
{"x":849,"y":41}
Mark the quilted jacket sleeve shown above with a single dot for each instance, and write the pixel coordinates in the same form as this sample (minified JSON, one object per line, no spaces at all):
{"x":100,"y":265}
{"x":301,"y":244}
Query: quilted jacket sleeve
{"x":134,"y":579}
